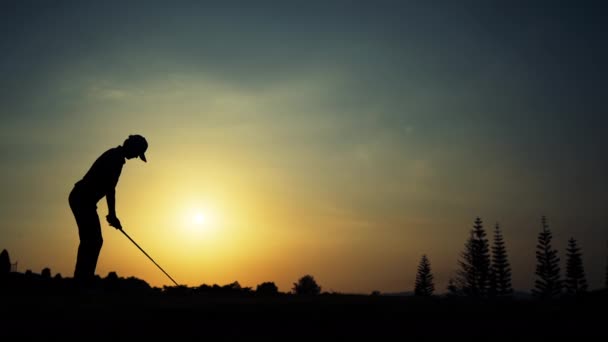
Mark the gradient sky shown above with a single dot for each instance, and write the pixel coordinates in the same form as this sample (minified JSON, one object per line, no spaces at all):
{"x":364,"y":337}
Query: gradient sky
{"x":334,"y":139}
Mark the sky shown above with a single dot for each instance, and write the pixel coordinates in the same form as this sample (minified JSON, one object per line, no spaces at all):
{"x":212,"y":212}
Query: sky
{"x":338,"y":139}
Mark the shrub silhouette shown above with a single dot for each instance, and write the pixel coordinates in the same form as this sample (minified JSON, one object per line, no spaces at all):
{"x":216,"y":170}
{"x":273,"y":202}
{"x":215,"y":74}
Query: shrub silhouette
{"x":235,"y":288}
{"x":453,"y":289}
{"x":307,"y":285}
{"x":267,"y":288}
{"x":5,"y":263}
{"x":112,"y":276}
{"x":606,"y":275}
{"x":46,"y":273}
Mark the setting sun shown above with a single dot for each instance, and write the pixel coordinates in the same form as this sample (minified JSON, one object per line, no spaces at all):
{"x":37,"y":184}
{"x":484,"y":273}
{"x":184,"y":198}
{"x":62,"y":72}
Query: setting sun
{"x":199,"y":219}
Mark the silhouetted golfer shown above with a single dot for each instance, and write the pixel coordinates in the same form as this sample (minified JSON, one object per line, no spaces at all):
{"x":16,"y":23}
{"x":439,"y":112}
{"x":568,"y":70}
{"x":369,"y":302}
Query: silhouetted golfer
{"x":99,"y":181}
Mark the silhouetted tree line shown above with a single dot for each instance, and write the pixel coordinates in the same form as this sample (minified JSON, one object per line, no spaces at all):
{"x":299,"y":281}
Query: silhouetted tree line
{"x":30,"y":282}
{"x":484,"y":271}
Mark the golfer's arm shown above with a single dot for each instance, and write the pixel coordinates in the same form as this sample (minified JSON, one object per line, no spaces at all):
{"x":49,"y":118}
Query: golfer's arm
{"x":111,"y":194}
{"x":111,"y":198}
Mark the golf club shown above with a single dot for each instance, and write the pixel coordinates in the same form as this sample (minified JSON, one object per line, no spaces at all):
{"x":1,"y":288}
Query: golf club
{"x":176,"y":284}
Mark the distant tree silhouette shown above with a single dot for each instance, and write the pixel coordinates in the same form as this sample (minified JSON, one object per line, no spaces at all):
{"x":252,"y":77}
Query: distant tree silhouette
{"x":267,"y":288}
{"x":46,"y":273}
{"x":548,"y":284}
{"x":575,"y":281}
{"x":112,"y":276}
{"x":134,"y":284}
{"x":111,"y":282}
{"x":181,"y":290}
{"x":453,"y":288}
{"x":474,"y":274}
{"x":5,"y":263}
{"x":500,"y":270}
{"x":307,"y":285}
{"x":424,"y":279}
{"x":235,"y":287}
{"x":606,"y":275}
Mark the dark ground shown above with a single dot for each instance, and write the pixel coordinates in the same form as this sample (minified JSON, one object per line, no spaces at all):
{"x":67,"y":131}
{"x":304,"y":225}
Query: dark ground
{"x":197,"y":316}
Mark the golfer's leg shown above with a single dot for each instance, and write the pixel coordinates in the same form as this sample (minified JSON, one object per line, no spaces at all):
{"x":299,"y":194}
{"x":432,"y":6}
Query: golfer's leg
{"x":80,"y":270}
{"x":89,"y":231}
{"x":96,"y":242}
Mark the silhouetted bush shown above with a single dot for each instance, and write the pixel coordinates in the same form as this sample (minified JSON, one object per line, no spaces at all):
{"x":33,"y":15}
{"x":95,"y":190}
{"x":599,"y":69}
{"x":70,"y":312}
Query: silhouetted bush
{"x":111,"y":282}
{"x":453,"y":288}
{"x":606,"y":275}
{"x":5,"y":263}
{"x":178,"y":290}
{"x":134,"y":284}
{"x":46,"y":273}
{"x":235,"y":288}
{"x":307,"y":285}
{"x":112,"y":276}
{"x":231,"y":289}
{"x":267,"y":288}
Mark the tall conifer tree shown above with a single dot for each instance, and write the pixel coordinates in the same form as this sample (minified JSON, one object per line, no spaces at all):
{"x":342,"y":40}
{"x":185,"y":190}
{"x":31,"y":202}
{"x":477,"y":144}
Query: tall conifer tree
{"x":576,"y":282}
{"x":501,"y":270}
{"x":548,"y":284}
{"x":474,"y":273}
{"x":424,"y":279}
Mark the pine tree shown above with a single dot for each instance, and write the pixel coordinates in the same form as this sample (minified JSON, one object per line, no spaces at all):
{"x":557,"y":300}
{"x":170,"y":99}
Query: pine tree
{"x":465,"y":276}
{"x":501,"y":270}
{"x":5,"y":263}
{"x":424,"y":279}
{"x":575,"y":282}
{"x":474,"y":273}
{"x":548,"y":284}
{"x":606,"y":275}
{"x":453,"y":289}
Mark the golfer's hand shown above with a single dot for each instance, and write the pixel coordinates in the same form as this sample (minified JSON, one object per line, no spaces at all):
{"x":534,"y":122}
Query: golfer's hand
{"x":114,"y":221}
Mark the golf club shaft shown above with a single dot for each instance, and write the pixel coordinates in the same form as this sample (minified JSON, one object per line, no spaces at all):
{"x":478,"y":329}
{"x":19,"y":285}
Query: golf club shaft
{"x":141,"y":249}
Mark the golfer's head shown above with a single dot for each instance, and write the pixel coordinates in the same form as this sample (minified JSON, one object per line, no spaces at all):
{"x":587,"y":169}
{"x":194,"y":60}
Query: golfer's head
{"x":135,"y":146}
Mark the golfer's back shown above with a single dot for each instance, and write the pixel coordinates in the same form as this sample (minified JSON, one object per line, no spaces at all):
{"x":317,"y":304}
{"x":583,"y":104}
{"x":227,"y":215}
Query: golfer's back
{"x":103,"y":175}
